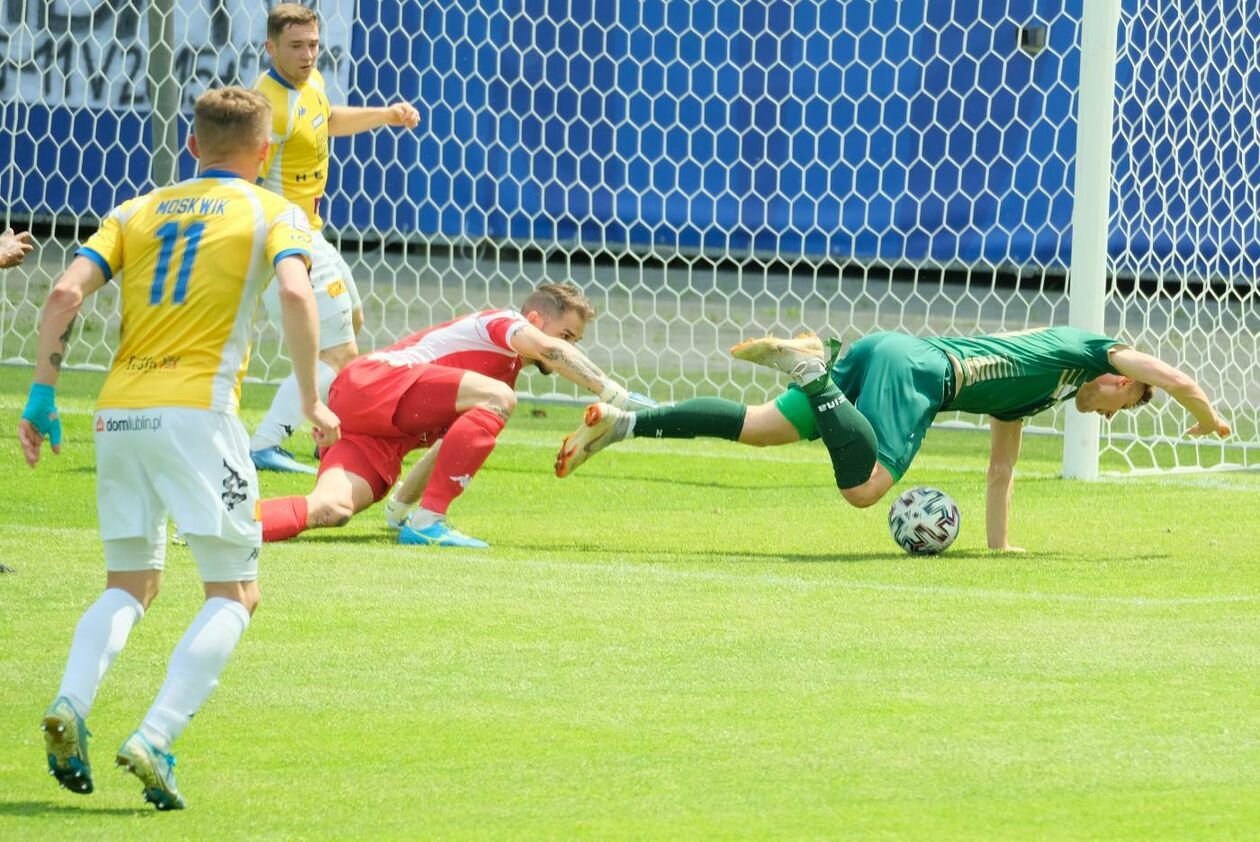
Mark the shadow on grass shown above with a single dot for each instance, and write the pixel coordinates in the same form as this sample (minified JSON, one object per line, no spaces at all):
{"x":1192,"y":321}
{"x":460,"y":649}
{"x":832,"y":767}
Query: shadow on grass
{"x":23,"y":809}
{"x":666,"y":556}
{"x":338,"y":536}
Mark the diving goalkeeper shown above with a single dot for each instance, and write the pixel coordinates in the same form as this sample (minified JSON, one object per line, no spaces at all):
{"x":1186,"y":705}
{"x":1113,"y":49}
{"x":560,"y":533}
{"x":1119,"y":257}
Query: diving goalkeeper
{"x":899,"y":383}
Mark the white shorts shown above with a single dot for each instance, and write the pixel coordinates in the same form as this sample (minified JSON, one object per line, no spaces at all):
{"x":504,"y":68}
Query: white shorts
{"x":190,"y":464}
{"x":336,"y":296}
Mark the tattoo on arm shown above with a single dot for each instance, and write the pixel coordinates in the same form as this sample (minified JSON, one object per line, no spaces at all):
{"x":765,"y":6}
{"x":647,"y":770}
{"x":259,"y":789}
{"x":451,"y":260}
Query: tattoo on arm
{"x":577,"y":366}
{"x":56,"y":357}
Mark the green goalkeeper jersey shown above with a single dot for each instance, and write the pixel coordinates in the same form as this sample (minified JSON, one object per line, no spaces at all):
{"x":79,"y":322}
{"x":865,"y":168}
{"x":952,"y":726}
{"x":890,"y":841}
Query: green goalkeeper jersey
{"x":1014,"y":375}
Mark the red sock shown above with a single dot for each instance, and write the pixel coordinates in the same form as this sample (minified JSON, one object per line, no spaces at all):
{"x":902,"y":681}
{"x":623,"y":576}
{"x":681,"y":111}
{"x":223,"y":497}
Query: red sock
{"x":283,"y":518}
{"x":464,"y":449}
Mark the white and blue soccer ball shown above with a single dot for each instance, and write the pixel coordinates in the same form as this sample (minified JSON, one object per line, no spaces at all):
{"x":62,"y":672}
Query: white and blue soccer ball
{"x":924,"y":521}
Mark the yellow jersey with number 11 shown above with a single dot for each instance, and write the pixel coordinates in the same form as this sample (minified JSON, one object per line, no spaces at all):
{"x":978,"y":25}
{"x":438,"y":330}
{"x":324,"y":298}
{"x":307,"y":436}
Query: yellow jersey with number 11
{"x":191,"y":261}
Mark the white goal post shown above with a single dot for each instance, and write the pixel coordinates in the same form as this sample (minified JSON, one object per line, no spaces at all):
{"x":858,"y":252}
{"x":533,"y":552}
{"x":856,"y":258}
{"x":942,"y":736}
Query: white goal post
{"x":706,"y":169}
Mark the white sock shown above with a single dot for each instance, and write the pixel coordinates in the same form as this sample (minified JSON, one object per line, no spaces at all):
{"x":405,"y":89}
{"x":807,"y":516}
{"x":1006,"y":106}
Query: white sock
{"x":285,"y":416}
{"x":101,"y":634}
{"x":194,"y":669}
{"x":423,"y":517}
{"x":398,"y":512}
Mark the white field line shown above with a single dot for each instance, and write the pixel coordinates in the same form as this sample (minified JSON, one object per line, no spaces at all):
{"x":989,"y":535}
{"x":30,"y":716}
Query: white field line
{"x":628,"y":569}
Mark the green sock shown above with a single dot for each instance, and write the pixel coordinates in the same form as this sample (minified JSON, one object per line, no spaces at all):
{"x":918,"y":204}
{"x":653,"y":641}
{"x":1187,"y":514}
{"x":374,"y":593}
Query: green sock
{"x":710,"y":417}
{"x":849,"y":438}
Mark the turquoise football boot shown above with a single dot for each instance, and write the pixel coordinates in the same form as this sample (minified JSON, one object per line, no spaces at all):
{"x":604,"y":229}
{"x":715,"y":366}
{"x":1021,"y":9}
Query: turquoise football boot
{"x":155,"y":769}
{"x":66,"y":741}
{"x":438,"y":534}
{"x":278,"y":459}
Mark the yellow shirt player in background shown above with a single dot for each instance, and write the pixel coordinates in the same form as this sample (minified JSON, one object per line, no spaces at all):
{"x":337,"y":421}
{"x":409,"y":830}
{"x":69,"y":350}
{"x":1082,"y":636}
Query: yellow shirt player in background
{"x":190,"y":260}
{"x":297,"y":168}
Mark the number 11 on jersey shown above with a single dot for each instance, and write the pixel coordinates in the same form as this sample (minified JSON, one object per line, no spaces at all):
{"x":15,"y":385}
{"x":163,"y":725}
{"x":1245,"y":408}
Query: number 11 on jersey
{"x":169,"y":234}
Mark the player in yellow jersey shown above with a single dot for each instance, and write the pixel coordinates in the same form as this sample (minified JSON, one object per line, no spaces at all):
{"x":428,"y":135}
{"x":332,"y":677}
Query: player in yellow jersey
{"x":297,"y":168}
{"x":190,"y":261}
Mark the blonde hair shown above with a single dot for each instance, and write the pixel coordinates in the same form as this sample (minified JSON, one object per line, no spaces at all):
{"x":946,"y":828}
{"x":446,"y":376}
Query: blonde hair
{"x":228,"y":120}
{"x":551,"y":299}
{"x":288,"y":14}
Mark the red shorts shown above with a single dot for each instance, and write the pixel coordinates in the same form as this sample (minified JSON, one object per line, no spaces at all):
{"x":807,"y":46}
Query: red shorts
{"x":386,"y":412}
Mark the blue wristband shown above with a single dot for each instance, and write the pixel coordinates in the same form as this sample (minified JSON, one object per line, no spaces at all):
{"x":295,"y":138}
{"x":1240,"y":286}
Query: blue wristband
{"x":41,"y":411}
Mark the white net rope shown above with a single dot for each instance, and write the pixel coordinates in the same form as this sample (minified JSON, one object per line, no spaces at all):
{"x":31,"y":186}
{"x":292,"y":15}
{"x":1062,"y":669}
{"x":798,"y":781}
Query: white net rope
{"x":704,"y":170}
{"x":1185,"y":220}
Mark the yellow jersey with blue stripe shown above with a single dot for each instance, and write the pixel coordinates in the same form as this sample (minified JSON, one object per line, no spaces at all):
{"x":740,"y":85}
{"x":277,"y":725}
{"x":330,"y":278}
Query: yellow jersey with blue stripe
{"x":297,"y":165}
{"x":191,"y":261}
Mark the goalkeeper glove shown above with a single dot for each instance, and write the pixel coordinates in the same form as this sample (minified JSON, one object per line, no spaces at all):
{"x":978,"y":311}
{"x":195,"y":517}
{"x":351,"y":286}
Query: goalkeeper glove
{"x":41,"y":411}
{"x":616,"y":394}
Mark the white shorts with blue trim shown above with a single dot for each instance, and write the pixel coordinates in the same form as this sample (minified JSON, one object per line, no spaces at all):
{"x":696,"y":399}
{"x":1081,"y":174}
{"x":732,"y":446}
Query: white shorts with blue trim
{"x":191,"y":465}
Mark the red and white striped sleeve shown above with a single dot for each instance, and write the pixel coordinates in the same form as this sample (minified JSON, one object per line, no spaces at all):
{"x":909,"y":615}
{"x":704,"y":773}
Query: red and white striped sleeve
{"x":499,"y":326}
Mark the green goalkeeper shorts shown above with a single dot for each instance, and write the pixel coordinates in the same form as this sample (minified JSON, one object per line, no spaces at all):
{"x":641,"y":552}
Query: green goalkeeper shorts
{"x":897,"y":381}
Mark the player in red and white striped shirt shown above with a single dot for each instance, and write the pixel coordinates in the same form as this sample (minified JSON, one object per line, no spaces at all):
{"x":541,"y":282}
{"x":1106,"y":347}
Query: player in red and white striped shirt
{"x":455,"y":382}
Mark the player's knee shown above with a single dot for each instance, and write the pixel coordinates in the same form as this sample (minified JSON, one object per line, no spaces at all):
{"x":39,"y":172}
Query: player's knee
{"x":143,"y":585}
{"x":325,"y":512}
{"x":250,"y":599}
{"x":501,"y":400}
{"x":863,"y":496}
{"x":145,"y":595}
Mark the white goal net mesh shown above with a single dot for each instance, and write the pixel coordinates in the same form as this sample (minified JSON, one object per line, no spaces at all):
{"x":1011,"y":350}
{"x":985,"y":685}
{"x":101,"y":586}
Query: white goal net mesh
{"x":1185,"y":219}
{"x":705,"y":170}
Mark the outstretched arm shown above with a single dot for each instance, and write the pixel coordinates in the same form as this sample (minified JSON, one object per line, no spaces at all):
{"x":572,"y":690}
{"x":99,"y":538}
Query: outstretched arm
{"x":567,"y":361}
{"x":349,"y":119}
{"x":81,"y":278}
{"x":1006,"y":437}
{"x":1147,"y":369}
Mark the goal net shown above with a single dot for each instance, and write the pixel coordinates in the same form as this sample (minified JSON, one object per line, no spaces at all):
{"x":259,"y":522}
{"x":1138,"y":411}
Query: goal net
{"x":705,"y":170}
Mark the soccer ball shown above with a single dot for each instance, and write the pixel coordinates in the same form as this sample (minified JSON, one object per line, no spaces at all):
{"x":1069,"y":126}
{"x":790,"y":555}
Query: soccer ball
{"x":924,"y":521}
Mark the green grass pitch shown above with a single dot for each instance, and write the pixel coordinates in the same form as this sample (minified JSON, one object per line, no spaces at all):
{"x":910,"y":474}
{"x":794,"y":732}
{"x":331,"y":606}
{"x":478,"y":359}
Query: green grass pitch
{"x":686,"y":639}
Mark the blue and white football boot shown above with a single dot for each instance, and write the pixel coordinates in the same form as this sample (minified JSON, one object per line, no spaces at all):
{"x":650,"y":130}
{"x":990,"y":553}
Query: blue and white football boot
{"x":278,"y":459}
{"x":66,"y":741}
{"x":438,"y":534}
{"x":154,"y":768}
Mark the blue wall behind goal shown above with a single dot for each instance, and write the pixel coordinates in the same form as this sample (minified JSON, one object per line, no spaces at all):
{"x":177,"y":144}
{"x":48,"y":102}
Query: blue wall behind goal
{"x":910,"y":132}
{"x":906,"y":131}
